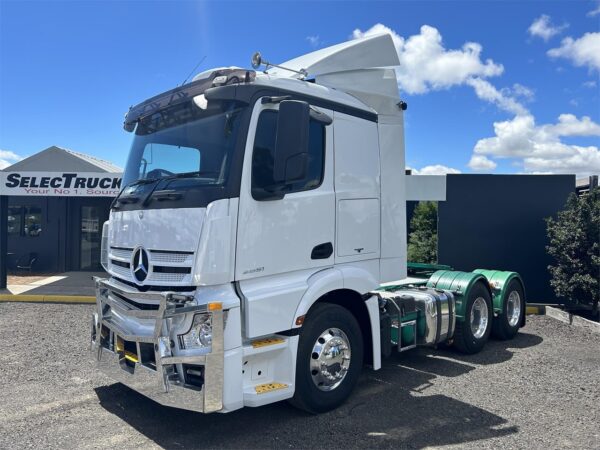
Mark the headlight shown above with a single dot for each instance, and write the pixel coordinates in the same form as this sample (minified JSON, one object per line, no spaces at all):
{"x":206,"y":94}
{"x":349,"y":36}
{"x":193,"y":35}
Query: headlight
{"x":200,"y":334}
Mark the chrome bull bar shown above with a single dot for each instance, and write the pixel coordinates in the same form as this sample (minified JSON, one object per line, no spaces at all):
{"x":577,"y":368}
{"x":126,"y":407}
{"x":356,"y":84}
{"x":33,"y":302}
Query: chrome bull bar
{"x":160,"y":381}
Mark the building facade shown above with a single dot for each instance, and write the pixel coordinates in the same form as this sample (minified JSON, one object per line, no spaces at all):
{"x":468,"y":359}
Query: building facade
{"x":57,"y":201}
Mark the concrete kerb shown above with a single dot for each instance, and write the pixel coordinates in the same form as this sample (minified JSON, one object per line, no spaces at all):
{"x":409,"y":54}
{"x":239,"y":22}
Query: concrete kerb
{"x":47,"y":298}
{"x":537,"y":310}
{"x":572,"y":319}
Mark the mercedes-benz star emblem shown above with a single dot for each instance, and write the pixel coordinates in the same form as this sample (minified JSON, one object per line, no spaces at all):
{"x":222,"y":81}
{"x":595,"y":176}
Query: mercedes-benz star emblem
{"x":139,"y":264}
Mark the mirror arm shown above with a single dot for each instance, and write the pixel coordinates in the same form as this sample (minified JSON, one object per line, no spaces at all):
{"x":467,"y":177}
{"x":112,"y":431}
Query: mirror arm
{"x":263,"y":195}
{"x":275,"y":100}
{"x":320,"y":117}
{"x":272,"y":192}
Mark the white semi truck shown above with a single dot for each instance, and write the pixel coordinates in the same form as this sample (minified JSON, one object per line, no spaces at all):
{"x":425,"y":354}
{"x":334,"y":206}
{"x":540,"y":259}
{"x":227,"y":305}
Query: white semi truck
{"x":257,"y":251}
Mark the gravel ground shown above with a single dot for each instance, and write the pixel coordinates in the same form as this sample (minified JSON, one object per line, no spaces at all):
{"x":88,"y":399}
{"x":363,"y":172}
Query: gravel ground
{"x":540,"y":390}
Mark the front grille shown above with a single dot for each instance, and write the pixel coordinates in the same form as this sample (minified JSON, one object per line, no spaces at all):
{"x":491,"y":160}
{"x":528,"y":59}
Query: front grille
{"x":147,"y":288}
{"x":166,"y":266}
{"x":122,"y":272}
{"x":120,"y":263}
{"x":169,"y":269}
{"x":122,"y":253}
{"x":171,"y":258}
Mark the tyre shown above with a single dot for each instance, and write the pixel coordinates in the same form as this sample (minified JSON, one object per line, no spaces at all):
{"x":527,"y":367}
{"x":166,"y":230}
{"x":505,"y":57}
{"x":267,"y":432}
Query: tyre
{"x":329,"y":360}
{"x":507,"y":324}
{"x":473,"y":332}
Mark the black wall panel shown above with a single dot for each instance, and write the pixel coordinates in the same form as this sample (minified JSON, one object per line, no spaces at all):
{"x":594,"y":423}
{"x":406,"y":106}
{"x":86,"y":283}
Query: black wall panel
{"x":497,"y":222}
{"x":58,"y":245}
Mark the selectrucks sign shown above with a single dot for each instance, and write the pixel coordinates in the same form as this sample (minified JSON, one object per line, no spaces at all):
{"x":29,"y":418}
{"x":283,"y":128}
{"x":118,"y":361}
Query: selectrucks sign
{"x":61,"y":184}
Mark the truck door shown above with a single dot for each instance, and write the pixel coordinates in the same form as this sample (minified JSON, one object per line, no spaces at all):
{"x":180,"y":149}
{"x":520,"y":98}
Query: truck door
{"x":357,"y":187}
{"x":287,"y":239}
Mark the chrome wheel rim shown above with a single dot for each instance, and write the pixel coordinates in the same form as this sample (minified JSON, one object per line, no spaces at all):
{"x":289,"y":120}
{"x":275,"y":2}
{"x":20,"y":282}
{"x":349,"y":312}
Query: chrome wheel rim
{"x":330,"y":359}
{"x":479,"y":317}
{"x":513,"y":308}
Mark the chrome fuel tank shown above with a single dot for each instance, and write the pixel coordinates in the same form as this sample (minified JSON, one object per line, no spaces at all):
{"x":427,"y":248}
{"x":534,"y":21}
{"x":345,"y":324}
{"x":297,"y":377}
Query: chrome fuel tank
{"x":436,"y":318}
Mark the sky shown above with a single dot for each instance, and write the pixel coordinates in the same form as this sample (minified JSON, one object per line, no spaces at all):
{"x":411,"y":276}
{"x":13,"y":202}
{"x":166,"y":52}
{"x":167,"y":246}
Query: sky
{"x":491,"y":86}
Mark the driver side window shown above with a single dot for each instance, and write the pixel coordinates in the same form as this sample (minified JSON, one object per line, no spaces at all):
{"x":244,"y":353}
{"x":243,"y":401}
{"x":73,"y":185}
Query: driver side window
{"x":264,"y":151}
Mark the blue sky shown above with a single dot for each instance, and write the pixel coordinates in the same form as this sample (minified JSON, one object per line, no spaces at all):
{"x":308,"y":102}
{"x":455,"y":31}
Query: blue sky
{"x":500,"y":87}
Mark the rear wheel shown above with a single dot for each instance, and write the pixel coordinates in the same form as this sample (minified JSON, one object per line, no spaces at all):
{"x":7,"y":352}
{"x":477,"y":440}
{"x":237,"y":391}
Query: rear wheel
{"x":473,"y":332}
{"x":507,"y":324}
{"x":329,"y":360}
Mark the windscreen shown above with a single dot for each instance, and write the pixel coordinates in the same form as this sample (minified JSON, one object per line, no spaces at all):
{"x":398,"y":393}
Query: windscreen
{"x":192,"y":140}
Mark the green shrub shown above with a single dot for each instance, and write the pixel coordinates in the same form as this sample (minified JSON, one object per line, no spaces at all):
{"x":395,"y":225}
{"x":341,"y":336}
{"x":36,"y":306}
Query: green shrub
{"x":574,"y":245}
{"x":422,"y":240}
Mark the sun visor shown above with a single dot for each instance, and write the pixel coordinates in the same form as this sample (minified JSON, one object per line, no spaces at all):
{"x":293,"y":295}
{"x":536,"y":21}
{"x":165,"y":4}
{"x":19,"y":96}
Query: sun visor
{"x":185,"y":93}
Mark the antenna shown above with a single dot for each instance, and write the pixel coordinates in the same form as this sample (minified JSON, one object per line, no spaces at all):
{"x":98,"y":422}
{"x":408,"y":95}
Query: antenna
{"x":257,"y":61}
{"x":193,"y":70}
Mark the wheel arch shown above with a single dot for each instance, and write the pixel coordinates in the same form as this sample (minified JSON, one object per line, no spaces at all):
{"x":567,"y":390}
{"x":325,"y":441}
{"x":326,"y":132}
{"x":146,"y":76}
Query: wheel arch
{"x":355,"y":303}
{"x":498,"y":281}
{"x":459,"y":283}
{"x":347,"y":287}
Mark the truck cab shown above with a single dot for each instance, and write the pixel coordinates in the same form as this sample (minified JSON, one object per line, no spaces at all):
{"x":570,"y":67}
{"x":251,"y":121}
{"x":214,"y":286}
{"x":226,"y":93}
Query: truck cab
{"x":260,"y":214}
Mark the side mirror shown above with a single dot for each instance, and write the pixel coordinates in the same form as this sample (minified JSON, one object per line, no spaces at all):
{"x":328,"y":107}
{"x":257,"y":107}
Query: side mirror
{"x":291,"y":143}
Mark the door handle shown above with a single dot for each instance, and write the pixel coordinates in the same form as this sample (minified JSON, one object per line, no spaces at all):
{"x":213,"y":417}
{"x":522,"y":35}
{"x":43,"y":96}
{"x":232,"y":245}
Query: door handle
{"x":322,"y":251}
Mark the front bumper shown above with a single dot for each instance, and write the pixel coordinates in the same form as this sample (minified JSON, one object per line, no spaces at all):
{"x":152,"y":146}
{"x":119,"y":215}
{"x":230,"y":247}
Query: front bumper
{"x":144,"y":360}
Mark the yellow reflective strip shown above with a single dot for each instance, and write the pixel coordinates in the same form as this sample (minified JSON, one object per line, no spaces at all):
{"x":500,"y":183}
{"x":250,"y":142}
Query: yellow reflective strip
{"x":120,"y":345}
{"x":131,"y":357}
{"x":265,"y":342}
{"x":269,"y":387}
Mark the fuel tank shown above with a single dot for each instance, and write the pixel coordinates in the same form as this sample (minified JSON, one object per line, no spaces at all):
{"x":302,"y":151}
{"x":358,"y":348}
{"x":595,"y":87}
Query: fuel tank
{"x":436,"y":316}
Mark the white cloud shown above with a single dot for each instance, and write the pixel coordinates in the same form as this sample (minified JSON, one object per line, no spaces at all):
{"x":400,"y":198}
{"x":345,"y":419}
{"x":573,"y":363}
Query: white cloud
{"x":584,"y":51}
{"x":8,"y":158}
{"x":518,"y":90}
{"x":486,"y":91}
{"x":314,"y":41}
{"x":542,"y":27}
{"x":426,"y":65}
{"x":582,"y":161}
{"x":436,"y":169}
{"x":570,"y":125}
{"x":481,"y":163}
{"x":594,"y":12}
{"x":540,"y":147}
{"x":589,"y":84}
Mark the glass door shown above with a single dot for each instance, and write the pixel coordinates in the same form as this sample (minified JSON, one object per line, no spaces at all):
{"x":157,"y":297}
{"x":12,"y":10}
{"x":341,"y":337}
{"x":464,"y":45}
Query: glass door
{"x":91,"y":236}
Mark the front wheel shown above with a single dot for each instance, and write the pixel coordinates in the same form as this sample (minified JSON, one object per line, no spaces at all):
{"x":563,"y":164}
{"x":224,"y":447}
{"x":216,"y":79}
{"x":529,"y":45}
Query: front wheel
{"x":329,"y":360}
{"x":507,"y":324}
{"x":473,"y":332}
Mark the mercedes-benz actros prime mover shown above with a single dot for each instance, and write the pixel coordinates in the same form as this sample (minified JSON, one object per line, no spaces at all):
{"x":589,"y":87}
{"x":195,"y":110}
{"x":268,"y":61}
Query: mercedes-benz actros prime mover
{"x":257,"y":251}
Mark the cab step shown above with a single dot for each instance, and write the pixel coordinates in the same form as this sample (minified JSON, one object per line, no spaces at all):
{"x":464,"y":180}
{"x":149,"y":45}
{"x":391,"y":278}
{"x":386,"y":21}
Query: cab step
{"x":265,"y":393}
{"x":265,"y":345}
{"x":269,"y":387}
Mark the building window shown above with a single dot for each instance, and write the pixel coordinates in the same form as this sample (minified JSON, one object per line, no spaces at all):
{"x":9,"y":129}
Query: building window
{"x":15,"y":220}
{"x":264,"y":151}
{"x":24,"y":221}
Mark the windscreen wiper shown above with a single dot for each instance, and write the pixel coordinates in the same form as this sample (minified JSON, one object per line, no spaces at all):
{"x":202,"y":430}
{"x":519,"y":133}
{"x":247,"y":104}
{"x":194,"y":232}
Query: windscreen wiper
{"x":130,"y":198}
{"x":171,"y":194}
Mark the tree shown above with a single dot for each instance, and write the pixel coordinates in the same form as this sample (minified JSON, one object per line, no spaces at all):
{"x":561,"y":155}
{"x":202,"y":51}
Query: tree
{"x":574,"y":237}
{"x":422,"y":240}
